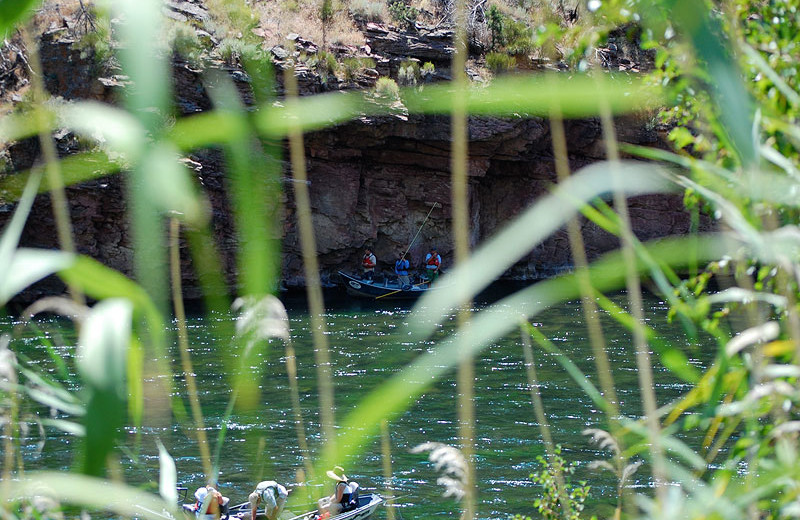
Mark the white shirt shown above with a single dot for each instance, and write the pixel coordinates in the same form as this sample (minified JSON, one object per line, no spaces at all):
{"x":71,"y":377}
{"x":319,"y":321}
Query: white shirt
{"x":273,"y":494}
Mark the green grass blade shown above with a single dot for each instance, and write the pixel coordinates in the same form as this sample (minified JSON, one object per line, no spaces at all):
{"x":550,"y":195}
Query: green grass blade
{"x":15,"y":127}
{"x":13,"y":12}
{"x":170,"y":186}
{"x":252,"y":201}
{"x":75,"y":169}
{"x":27,"y":266}
{"x":576,"y":95}
{"x":571,"y":368}
{"x":167,"y":476}
{"x":101,"y":359}
{"x":487,"y":326}
{"x":114,"y":129}
{"x":529,"y":229}
{"x":672,"y":358}
{"x":93,"y":493}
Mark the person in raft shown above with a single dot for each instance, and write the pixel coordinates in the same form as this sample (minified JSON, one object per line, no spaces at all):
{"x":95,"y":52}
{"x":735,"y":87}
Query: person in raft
{"x":344,"y":497}
{"x":272,"y":495}
{"x":368,"y":263}
{"x":432,"y":264}
{"x":401,"y":267}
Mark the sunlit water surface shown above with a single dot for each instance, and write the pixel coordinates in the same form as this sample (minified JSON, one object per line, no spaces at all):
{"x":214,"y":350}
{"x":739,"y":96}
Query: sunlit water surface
{"x":368,"y":344}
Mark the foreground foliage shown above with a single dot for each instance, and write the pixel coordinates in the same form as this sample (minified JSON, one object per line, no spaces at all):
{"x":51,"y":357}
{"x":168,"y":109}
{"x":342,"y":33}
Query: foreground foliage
{"x":727,"y":73}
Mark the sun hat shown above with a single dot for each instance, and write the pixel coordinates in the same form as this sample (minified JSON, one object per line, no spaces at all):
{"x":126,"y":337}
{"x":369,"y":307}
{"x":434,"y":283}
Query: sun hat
{"x":332,"y":474}
{"x":201,"y":493}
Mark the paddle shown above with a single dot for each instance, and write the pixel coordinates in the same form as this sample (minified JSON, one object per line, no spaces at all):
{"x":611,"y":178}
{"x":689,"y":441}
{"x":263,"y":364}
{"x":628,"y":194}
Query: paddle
{"x":435,"y":205}
{"x":397,"y":291}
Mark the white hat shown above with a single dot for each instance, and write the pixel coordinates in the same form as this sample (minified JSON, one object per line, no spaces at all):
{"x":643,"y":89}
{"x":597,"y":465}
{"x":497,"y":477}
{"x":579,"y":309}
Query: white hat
{"x":201,"y":493}
{"x":332,"y":474}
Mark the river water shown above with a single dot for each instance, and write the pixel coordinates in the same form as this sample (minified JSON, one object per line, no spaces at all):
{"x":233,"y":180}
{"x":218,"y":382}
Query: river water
{"x":368,"y":344}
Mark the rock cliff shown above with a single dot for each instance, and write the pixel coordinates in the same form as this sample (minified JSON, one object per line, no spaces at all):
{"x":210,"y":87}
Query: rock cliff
{"x":372,"y":180}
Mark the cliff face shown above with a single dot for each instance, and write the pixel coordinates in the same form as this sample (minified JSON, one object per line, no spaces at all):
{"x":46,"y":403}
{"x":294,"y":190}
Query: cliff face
{"x":372,"y":182}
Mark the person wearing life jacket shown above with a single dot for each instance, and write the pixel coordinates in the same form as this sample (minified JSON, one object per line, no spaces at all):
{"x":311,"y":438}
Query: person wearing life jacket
{"x":344,"y":497}
{"x":401,"y":270}
{"x":368,"y":263}
{"x":272,"y":495}
{"x":432,"y":264}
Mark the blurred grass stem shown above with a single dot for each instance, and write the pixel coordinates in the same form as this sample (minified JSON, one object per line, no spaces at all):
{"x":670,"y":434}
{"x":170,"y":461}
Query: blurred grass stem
{"x":579,"y":259}
{"x":634,"y":290}
{"x":291,"y":372}
{"x":183,"y":347}
{"x":544,"y":426}
{"x":311,"y":269}
{"x":460,"y":196}
{"x":386,"y":452}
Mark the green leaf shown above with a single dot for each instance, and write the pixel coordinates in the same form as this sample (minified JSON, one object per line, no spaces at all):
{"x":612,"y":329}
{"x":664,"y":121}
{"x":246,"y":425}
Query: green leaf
{"x":70,"y":427}
{"x":27,"y":266}
{"x":103,"y":347}
{"x":13,"y":231}
{"x":253,"y":197}
{"x":93,"y":493}
{"x":494,"y":322}
{"x":13,"y":12}
{"x":575,"y":95}
{"x":530,"y":228}
{"x":167,"y":476}
{"x":101,"y":282}
{"x":75,"y":169}
{"x":116,"y":130}
{"x":169,"y":185}
{"x":101,"y":360}
{"x":15,"y":127}
{"x":681,"y":136}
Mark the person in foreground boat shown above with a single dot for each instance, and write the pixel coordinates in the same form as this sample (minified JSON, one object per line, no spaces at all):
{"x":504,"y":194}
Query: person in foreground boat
{"x":344,"y":497}
{"x":210,"y":505}
{"x":272,"y":495}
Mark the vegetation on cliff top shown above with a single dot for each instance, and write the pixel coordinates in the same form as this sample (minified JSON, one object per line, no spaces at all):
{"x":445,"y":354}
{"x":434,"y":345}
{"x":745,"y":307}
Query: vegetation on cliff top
{"x":727,"y":73}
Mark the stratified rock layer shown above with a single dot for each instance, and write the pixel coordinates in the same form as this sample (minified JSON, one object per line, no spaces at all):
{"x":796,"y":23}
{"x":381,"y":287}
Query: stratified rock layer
{"x":372,"y":182}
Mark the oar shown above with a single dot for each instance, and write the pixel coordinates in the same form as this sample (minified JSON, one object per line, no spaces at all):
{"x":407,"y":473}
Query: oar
{"x":435,"y":204}
{"x":397,"y":291}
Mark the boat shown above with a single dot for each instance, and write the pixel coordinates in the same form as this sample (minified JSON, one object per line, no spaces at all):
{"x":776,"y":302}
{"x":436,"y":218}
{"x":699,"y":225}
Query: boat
{"x":367,"y":504}
{"x":389,"y":289}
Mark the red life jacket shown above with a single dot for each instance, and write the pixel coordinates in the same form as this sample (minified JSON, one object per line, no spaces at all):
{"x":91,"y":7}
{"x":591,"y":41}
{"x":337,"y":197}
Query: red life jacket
{"x":368,"y":261}
{"x":434,"y":260}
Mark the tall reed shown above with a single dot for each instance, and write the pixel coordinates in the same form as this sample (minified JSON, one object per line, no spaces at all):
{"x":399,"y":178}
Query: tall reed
{"x":742,"y":167}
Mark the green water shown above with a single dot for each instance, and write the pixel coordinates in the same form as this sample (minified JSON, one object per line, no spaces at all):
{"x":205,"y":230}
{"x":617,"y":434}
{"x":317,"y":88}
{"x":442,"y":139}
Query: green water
{"x":368,"y":344}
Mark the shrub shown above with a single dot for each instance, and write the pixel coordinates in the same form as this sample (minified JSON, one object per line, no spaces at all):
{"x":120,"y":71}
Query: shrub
{"x":550,"y":504}
{"x":408,"y":74}
{"x":499,"y":62}
{"x":403,"y":14}
{"x":187,"y":45}
{"x":368,"y":10}
{"x":517,"y":36}
{"x":351,"y":67}
{"x":386,"y":88}
{"x":232,"y":50}
{"x":323,"y":63}
{"x":427,"y":72}
{"x":494,"y":19}
{"x":96,"y":42}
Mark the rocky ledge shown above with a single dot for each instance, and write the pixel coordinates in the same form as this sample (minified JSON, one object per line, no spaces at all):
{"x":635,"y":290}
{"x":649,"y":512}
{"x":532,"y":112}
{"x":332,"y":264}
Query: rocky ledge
{"x":372,"y":180}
